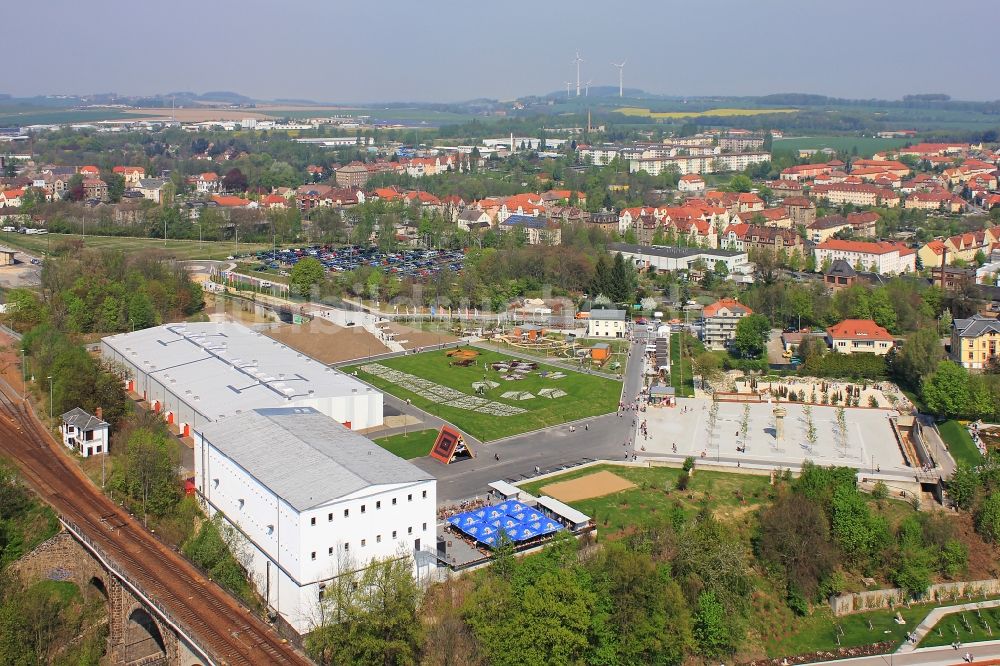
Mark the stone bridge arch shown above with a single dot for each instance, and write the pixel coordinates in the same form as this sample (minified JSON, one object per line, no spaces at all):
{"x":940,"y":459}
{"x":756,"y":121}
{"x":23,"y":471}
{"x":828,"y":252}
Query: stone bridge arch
{"x":137,"y":636}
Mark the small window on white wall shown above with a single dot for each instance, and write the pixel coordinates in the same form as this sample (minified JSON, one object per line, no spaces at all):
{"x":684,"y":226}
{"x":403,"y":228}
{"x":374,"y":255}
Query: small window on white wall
{"x":242,"y":502}
{"x":215,"y":483}
{"x":270,"y":529}
{"x":312,"y":556}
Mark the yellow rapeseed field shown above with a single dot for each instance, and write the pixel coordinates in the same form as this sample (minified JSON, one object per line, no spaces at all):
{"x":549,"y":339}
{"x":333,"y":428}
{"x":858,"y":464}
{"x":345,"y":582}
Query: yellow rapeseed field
{"x":646,"y":113}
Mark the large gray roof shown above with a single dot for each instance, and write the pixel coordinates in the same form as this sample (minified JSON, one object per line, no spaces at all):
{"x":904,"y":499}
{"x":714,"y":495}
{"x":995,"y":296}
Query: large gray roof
{"x":976,"y":325}
{"x":305,"y":457}
{"x":670,"y":251}
{"x":218,"y":368}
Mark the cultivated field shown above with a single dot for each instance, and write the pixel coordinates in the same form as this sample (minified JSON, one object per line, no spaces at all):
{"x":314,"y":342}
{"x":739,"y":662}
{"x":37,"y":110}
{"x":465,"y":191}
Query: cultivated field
{"x":716,"y":113}
{"x":181,"y":249}
{"x":502,"y":403}
{"x":865,"y":146}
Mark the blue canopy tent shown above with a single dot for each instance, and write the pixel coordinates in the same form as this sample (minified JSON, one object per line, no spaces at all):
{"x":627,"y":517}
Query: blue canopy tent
{"x":517,"y":521}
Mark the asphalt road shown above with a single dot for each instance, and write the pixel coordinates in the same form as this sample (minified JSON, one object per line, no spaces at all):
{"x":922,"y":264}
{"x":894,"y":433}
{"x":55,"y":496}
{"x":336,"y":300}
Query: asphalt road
{"x":982,"y":653}
{"x":547,"y":450}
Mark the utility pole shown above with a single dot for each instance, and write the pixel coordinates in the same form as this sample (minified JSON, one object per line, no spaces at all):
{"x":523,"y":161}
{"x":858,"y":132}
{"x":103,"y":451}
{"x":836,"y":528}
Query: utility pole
{"x":50,"y":398}
{"x":24,"y":377}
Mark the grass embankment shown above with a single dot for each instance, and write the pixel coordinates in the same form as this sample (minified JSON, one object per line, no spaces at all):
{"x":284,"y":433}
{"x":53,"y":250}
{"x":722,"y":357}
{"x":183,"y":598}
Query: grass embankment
{"x":966,"y":627}
{"x":681,"y":374}
{"x":181,"y":249}
{"x":411,"y":445}
{"x":959,"y":443}
{"x":586,"y":395}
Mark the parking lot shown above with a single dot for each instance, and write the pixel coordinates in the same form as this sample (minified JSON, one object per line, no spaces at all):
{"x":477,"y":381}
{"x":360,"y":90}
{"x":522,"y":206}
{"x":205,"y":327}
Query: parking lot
{"x":413,"y":264}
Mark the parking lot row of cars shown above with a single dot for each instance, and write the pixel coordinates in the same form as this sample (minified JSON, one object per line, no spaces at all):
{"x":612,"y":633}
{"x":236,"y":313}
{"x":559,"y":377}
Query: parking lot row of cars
{"x":415,"y":264}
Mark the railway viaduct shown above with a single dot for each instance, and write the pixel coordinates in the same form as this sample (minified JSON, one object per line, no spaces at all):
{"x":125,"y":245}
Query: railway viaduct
{"x":140,"y":633}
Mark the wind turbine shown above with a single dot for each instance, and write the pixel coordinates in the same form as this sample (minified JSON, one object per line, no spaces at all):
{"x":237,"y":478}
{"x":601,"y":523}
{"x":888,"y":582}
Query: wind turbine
{"x":577,"y":60}
{"x":569,"y":84}
{"x":621,"y":71}
{"x":586,"y":88}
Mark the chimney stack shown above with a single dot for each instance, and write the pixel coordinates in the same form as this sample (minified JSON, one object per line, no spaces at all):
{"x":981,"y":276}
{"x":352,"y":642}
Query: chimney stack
{"x":99,"y":414}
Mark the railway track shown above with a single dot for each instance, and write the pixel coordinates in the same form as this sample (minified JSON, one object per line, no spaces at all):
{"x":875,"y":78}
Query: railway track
{"x":224,"y":629}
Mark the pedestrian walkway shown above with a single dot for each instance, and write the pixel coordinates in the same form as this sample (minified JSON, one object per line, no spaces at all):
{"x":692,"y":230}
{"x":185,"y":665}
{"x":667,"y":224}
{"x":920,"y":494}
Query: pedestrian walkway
{"x":935,"y":616}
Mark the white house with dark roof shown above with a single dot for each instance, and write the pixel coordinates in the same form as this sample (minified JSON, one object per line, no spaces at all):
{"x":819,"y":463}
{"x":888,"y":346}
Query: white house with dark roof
{"x":312,"y":500}
{"x":606,"y":324}
{"x":85,"y":433}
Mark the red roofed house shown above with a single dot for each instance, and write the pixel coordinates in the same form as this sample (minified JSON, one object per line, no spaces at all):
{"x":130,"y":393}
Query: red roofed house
{"x":940,"y":199}
{"x":89,"y":171}
{"x":753,"y":237}
{"x":11,"y":198}
{"x":131,"y":174}
{"x":857,"y":194}
{"x":801,"y":210}
{"x":207,"y":182}
{"x":880,"y":257}
{"x":691,"y":182}
{"x":721,"y":319}
{"x":231,"y":202}
{"x":274,"y":201}
{"x":859,"y":336}
{"x":805,"y":171}
{"x":95,"y":188}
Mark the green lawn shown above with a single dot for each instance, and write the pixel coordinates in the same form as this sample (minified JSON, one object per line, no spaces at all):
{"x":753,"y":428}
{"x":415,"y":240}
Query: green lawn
{"x":681,"y":377}
{"x":819,"y":631}
{"x":587,"y":395}
{"x":951,"y":628}
{"x":411,"y":445}
{"x":656,"y":498}
{"x":181,"y":249}
{"x":959,"y":443}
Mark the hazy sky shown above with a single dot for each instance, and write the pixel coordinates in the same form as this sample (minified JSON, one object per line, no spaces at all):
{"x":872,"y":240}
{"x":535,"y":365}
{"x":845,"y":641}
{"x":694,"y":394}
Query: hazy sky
{"x":447,"y":50}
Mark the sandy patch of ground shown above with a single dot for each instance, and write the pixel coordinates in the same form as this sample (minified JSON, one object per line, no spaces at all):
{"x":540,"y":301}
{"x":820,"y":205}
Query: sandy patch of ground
{"x":411,"y":338}
{"x":328,"y":342}
{"x":587,"y":487}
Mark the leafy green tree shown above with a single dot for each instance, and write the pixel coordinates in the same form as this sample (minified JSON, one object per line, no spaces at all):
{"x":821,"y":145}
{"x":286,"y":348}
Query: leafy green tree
{"x":860,"y":534}
{"x":752,"y":333}
{"x":306,"y":274}
{"x":622,"y":281}
{"x":987,"y":518}
{"x":372,"y":619}
{"x":946,"y":390}
{"x":882,"y":311}
{"x":116,"y":187}
{"x":963,"y":487}
{"x":147,"y":472}
{"x":918,"y":358}
{"x":795,"y":535}
{"x":740,"y":183}
{"x":712,"y":627}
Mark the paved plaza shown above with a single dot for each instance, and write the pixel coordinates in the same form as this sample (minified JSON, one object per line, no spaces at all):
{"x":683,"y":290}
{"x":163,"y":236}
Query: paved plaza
{"x":869,"y":441}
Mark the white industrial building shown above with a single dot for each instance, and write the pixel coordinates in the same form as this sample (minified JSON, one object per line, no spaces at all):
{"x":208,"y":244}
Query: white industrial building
{"x":196,"y":373}
{"x":310,"y":498}
{"x":670,"y":258}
